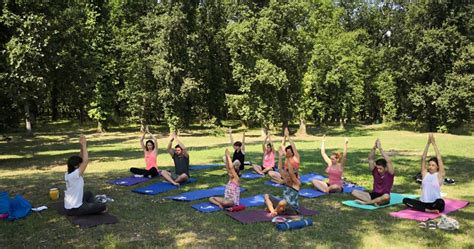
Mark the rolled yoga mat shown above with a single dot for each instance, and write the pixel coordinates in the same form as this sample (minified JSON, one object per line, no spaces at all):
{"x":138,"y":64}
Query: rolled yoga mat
{"x":294,"y":224}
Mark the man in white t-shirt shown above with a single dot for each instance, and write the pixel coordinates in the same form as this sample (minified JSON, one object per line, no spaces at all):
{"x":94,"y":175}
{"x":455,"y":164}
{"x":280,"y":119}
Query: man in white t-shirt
{"x":76,"y":201}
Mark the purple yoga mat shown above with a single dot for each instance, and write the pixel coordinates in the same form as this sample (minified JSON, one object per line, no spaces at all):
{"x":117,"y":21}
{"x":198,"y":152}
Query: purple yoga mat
{"x":450,"y":206}
{"x":254,"y":216}
{"x":129,"y":181}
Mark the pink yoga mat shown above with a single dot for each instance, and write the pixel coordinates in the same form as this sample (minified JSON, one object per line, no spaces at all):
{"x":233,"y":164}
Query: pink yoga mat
{"x":450,"y":206}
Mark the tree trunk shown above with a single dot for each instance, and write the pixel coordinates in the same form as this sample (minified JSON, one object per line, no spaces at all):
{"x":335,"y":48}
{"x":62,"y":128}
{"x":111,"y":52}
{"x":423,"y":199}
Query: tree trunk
{"x":283,"y":126}
{"x":28,"y":119}
{"x":100,"y":127}
{"x":54,"y":103}
{"x":302,"y":130}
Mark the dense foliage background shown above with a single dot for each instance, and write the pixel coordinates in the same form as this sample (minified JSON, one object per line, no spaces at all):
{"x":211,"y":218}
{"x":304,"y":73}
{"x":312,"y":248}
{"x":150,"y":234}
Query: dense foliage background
{"x":267,"y":63}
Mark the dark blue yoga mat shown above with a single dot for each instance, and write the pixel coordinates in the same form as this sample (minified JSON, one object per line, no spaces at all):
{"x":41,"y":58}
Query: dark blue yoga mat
{"x":310,"y":193}
{"x":252,"y":201}
{"x":349,"y":187}
{"x":251,"y":175}
{"x":129,"y":181}
{"x":206,"y":166}
{"x":200,"y":194}
{"x":159,"y":187}
{"x":311,"y":176}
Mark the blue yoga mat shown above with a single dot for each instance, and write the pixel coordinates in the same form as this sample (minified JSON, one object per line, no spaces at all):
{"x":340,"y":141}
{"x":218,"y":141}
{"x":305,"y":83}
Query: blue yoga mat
{"x":348,"y":188}
{"x":159,"y":187}
{"x":303,"y":178}
{"x":206,"y":166}
{"x":395,"y":198}
{"x":251,"y":175}
{"x":310,"y":193}
{"x":200,"y":194}
{"x":129,"y":181}
{"x":311,"y":176}
{"x":252,"y":201}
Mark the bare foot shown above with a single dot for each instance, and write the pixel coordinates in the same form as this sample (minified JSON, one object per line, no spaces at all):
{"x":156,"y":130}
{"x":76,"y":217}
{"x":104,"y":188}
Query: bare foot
{"x":434,"y":211}
{"x":361,"y":202}
{"x":220,"y":206}
{"x":176,"y":184}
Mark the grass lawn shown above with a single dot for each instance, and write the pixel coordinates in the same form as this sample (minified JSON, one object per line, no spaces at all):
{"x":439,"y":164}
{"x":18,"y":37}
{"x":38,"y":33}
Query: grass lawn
{"x":32,"y":165}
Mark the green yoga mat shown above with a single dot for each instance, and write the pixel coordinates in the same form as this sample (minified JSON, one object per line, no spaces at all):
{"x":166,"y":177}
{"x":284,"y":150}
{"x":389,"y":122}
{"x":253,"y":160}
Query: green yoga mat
{"x":217,"y":172}
{"x":395,"y":198}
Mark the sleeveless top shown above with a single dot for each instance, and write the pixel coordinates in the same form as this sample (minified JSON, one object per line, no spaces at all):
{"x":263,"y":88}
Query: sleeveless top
{"x":150,"y":160}
{"x":430,"y":188}
{"x":335,"y":175}
{"x":294,"y":163}
{"x":269,"y":160}
{"x":238,"y":155}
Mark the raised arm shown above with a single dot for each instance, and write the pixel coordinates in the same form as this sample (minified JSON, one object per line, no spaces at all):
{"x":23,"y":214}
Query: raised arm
{"x":344,"y":154}
{"x":292,"y":176}
{"x":281,"y":170}
{"x":441,"y":171}
{"x":293,"y":147}
{"x":170,"y":145}
{"x":243,"y":143}
{"x":264,"y":144}
{"x":83,"y":154}
{"x":424,"y":170}
{"x":323,"y":152}
{"x":230,"y":167}
{"x":390,"y":168}
{"x":372,"y":156}
{"x":185,"y":151}
{"x":142,"y":143}
{"x":230,"y":137}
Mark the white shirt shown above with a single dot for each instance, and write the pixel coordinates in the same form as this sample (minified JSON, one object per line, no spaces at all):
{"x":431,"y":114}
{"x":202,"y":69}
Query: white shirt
{"x":74,"y":190}
{"x":430,"y":188}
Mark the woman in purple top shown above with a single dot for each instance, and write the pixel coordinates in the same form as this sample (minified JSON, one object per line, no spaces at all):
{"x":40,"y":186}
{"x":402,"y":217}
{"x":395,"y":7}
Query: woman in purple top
{"x":383,"y":173}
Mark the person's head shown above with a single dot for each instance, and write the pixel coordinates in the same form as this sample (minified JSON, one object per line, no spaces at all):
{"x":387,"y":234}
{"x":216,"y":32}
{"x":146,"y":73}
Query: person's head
{"x":237,"y":145}
{"x":289,"y":151}
{"x":336,"y":157}
{"x":381,"y":165}
{"x":433,"y":165}
{"x":236,"y":165}
{"x":149,"y":145}
{"x":73,"y":163}
{"x":269,"y":148}
{"x":178,"y":150}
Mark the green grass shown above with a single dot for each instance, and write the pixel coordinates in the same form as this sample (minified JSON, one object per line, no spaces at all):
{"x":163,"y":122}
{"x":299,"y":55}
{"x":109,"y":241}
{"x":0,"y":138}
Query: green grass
{"x":31,"y":165}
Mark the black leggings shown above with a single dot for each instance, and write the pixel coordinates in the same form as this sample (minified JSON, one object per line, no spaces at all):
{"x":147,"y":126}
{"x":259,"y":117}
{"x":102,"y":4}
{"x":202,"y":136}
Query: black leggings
{"x":422,"y":206}
{"x":151,"y":172}
{"x":88,"y":206}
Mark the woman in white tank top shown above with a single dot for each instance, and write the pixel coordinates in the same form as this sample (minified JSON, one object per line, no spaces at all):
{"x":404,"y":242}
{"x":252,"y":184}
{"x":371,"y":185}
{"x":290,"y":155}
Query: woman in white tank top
{"x":433,"y":175}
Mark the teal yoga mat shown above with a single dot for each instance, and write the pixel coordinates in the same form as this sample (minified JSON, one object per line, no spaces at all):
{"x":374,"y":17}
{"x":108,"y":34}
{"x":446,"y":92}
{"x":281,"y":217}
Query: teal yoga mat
{"x":395,"y":198}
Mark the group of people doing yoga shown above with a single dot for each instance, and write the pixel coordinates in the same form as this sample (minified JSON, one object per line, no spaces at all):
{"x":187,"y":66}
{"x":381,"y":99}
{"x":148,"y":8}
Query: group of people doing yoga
{"x":285,"y":171}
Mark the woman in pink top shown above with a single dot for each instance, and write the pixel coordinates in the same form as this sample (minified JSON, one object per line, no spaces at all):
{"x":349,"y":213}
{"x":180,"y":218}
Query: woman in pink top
{"x":150,"y":153}
{"x":268,"y":157}
{"x":334,"y":170}
{"x":292,"y":156}
{"x":232,"y":189}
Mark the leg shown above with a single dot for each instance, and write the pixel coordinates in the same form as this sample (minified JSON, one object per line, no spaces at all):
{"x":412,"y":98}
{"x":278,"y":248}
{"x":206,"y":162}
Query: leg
{"x":87,"y":197}
{"x":221,"y":202}
{"x":276,"y":177}
{"x":269,"y":205}
{"x":320,"y":185}
{"x":335,"y":189}
{"x":167,"y":176}
{"x":382,"y":200}
{"x":181,"y":178}
{"x":138,"y":171}
{"x":414,"y":204}
{"x":258,"y":169}
{"x":362,"y":197}
{"x":435,"y":207}
{"x":153,"y":172}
